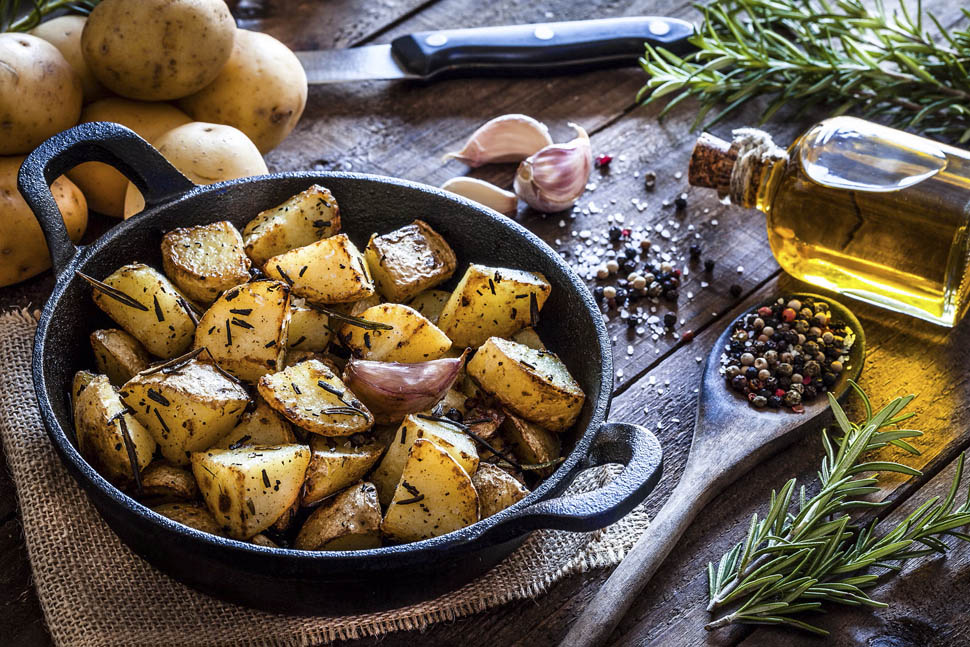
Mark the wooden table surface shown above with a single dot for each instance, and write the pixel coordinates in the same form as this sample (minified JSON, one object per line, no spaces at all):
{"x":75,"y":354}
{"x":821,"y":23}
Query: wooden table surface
{"x":402,"y":130}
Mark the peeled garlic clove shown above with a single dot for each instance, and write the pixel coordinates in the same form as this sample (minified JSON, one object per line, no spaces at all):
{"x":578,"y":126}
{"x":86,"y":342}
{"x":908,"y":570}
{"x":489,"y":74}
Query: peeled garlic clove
{"x":484,"y":193}
{"x":554,"y":178}
{"x":509,"y":138}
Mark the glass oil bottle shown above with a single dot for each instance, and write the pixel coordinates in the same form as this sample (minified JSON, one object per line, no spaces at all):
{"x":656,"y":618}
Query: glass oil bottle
{"x":858,"y":208}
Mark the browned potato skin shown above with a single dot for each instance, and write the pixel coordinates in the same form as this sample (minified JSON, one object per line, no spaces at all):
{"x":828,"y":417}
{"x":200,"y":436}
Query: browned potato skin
{"x":163,"y":482}
{"x":118,"y":355}
{"x":79,"y":383}
{"x":412,"y":339}
{"x":328,"y":271}
{"x":496,"y":489}
{"x":305,"y":218}
{"x":409,"y":260}
{"x":206,"y":260}
{"x":193,"y":515}
{"x":349,"y":521}
{"x":335,"y":463}
{"x":261,"y":426}
{"x":532,"y":444}
{"x":64,"y":33}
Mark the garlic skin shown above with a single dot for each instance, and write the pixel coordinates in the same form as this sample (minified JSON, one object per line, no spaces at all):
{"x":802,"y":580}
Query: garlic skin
{"x":484,"y":193}
{"x":553,"y":179}
{"x":509,"y":138}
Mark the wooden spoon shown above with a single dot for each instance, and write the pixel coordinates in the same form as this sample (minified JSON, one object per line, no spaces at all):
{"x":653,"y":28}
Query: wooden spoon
{"x":730,"y":437}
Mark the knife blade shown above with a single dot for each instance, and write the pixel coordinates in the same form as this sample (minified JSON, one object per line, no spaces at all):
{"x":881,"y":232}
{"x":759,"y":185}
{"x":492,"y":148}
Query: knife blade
{"x":534,"y":49}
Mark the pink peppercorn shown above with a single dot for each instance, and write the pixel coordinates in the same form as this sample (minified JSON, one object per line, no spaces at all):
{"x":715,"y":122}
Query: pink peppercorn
{"x":603,"y":160}
{"x":764,"y":311}
{"x":788,"y":314}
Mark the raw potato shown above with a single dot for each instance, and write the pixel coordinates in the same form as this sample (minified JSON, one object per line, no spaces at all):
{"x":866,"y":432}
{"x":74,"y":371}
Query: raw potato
{"x":157,"y":50}
{"x":450,"y":438}
{"x":261,"y":426}
{"x":349,"y":521}
{"x":118,"y":355}
{"x":335,"y":463}
{"x":413,"y":338}
{"x":245,"y":330}
{"x":496,"y":489}
{"x":434,"y":497}
{"x":303,"y":219}
{"x":100,"y":422}
{"x":328,"y":271}
{"x":163,"y":481}
{"x":193,"y":515}
{"x":304,"y":394}
{"x":533,"y":384}
{"x":187,"y":409}
{"x":409,"y":260}
{"x":205,"y":153}
{"x":491,"y":302}
{"x":248,"y":489}
{"x":532,"y":444}
{"x":430,"y":303}
{"x":23,"y":249}
{"x":40,"y":93}
{"x":206,"y":260}
{"x":261,"y":90}
{"x":162,"y":322}
{"x":64,"y":33}
{"x":309,"y":330}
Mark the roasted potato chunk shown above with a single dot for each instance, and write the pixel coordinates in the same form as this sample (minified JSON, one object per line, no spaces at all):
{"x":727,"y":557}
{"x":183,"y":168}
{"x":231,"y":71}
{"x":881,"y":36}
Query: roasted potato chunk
{"x":492,"y":302}
{"x":532,"y":444}
{"x":186,"y":409}
{"x":206,"y":260}
{"x":409,"y":260}
{"x":533,"y":384}
{"x":311,"y":396}
{"x":261,"y":426}
{"x":529,"y":337}
{"x":245,"y":330}
{"x":496,"y":489}
{"x":193,"y":515}
{"x":328,"y":271}
{"x":435,"y":496}
{"x":162,"y":481}
{"x":146,"y":304}
{"x":412,"y":338}
{"x":78,"y":384}
{"x":430,"y":303}
{"x":262,"y":540}
{"x":118,"y":355}
{"x":248,"y":489}
{"x":335,"y":463}
{"x":448,"y":437}
{"x":108,"y":436}
{"x":309,"y":330}
{"x":356,"y":308}
{"x":303,"y":219}
{"x":349,"y":521}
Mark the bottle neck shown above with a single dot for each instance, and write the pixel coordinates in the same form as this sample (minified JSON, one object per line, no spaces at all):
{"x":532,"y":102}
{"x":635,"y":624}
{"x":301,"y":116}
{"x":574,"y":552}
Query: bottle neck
{"x":760,"y":189}
{"x":747,"y":170}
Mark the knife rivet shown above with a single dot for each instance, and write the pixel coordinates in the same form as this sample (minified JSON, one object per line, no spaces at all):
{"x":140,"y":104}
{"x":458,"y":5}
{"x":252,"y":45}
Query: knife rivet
{"x":543,"y":32}
{"x":436,"y":40}
{"x":658,"y":27}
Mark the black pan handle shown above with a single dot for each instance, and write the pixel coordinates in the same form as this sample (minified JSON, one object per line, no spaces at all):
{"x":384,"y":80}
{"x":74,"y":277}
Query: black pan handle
{"x":96,"y":141}
{"x":634,"y":447}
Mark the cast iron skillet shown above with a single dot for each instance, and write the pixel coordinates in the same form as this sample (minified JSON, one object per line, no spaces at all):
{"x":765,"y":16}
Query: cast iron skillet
{"x":302,"y":582}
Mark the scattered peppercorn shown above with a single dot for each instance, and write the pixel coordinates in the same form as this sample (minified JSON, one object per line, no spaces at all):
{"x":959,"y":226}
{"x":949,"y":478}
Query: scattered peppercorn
{"x":615,"y":233}
{"x":650,"y":180}
{"x":709,"y":265}
{"x":602,"y":161}
{"x":735,"y":290}
{"x":695,"y":251}
{"x":598,"y":293}
{"x":688,"y":336}
{"x":630,"y":252}
{"x":681,"y":201}
{"x":670,"y":320}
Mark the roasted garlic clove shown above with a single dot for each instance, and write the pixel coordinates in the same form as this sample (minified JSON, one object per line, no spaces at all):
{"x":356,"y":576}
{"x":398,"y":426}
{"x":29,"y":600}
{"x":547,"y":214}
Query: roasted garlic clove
{"x":484,"y":193}
{"x":509,"y":138}
{"x":553,"y":178}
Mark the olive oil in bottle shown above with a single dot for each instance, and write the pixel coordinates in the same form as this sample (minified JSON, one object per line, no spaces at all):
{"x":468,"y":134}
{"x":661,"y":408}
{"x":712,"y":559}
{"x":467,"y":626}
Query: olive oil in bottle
{"x":861,"y":209}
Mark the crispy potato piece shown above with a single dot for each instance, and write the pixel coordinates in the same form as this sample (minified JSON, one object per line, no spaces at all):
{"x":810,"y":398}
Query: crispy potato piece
{"x":303,"y":219}
{"x":249,"y":488}
{"x":484,"y":421}
{"x":311,"y":396}
{"x":532,"y":444}
{"x":328,"y":271}
{"x":448,"y":437}
{"x":80,"y":381}
{"x":193,"y":515}
{"x":162,"y":481}
{"x":356,"y":308}
{"x":286,"y":519}
{"x":246,"y":329}
{"x":430,"y":303}
{"x":409,"y":260}
{"x":205,"y":260}
{"x":118,"y":355}
{"x":186,"y":409}
{"x":261,"y":426}
{"x":413,"y":338}
{"x":309,"y":330}
{"x":101,"y":423}
{"x":262,"y":540}
{"x":155,"y":312}
{"x":335,"y":463}
{"x":453,"y":399}
{"x":529,"y":337}
{"x":496,"y":489}
{"x":491,"y":302}
{"x":349,"y":521}
{"x":533,"y":384}
{"x":434,"y":497}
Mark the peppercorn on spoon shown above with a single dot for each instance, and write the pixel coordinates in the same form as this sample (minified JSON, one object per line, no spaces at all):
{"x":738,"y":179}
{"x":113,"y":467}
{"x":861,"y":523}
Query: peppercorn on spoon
{"x":730,"y":437}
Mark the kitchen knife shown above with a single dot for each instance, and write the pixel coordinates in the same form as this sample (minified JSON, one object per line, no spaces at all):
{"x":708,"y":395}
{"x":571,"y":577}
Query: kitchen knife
{"x":514,"y":50}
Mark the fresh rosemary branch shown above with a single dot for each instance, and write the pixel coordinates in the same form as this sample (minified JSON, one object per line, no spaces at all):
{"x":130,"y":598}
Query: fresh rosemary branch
{"x":792,"y":562}
{"x":839,"y":53}
{"x":15,"y":16}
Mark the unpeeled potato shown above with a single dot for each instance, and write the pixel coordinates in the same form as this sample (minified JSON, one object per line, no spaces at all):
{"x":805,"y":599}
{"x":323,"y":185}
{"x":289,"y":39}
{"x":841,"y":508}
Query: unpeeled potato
{"x":23,"y":250}
{"x":103,"y":186}
{"x":64,"y":33}
{"x":262,"y":91}
{"x":206,"y":154}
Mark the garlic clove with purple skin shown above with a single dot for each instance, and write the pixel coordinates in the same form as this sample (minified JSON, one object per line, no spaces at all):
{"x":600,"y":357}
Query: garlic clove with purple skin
{"x":553,"y":178}
{"x":485,"y":193}
{"x":509,"y":138}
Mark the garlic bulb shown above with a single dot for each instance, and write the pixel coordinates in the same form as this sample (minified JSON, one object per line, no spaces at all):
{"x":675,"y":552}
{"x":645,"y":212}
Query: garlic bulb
{"x":509,"y":138}
{"x":493,"y":197}
{"x":553,"y":178}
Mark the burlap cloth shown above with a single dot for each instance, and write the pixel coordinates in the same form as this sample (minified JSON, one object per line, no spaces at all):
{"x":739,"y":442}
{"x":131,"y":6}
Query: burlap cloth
{"x":94,"y":591}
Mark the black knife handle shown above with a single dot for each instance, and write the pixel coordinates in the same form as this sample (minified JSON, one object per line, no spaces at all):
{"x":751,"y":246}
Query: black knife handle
{"x":532,"y":49}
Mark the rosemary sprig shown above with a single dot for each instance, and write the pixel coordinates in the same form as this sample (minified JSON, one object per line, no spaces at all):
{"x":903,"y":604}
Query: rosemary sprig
{"x":16,"y":16}
{"x":844,"y":54}
{"x":794,"y":561}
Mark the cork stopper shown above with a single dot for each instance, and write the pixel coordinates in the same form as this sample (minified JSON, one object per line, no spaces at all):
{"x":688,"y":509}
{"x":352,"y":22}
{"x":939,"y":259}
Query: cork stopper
{"x":712,"y":163}
{"x":736,"y":169}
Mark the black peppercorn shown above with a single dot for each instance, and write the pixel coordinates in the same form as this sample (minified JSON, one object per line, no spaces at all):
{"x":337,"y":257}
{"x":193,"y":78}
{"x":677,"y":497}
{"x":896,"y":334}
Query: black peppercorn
{"x":630,"y":252}
{"x":681,"y":201}
{"x":670,"y":319}
{"x":709,"y":265}
{"x":735,"y":290}
{"x":695,"y":251}
{"x":598,"y":293}
{"x":671,"y":294}
{"x":615,"y":233}
{"x":739,"y":383}
{"x":774,"y":402}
